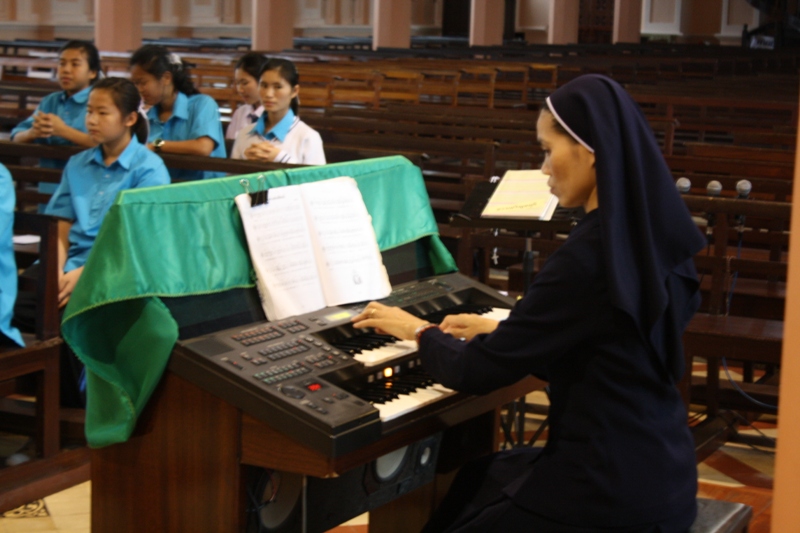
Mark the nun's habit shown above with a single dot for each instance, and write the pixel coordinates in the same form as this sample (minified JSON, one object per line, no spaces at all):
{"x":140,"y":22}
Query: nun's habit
{"x":602,"y":322}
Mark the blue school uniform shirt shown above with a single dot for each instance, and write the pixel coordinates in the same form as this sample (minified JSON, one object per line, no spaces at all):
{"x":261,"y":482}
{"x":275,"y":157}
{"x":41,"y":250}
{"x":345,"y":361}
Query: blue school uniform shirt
{"x":89,"y":187}
{"x":192,"y":117}
{"x":72,"y":110}
{"x":8,"y":265}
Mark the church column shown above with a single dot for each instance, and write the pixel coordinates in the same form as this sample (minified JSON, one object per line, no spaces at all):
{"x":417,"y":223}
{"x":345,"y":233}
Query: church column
{"x":627,"y":21}
{"x":117,"y":25}
{"x":785,"y":511}
{"x":562,"y":27}
{"x":486,"y":23}
{"x":273,"y":25}
{"x":391,"y":24}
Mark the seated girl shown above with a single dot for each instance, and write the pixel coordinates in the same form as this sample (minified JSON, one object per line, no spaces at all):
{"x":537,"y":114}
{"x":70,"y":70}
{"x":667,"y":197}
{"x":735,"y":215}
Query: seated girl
{"x":182,"y":121}
{"x":245,"y":80}
{"x":9,"y":335}
{"x":279,"y":135}
{"x":60,"y":117}
{"x":93,"y":178}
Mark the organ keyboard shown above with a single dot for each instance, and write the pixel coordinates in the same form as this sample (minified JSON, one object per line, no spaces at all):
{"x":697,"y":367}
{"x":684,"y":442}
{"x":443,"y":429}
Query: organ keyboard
{"x":319,"y":380}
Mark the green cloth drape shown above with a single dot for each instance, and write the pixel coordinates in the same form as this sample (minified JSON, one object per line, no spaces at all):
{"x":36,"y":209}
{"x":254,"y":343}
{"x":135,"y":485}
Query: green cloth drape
{"x":187,"y":239}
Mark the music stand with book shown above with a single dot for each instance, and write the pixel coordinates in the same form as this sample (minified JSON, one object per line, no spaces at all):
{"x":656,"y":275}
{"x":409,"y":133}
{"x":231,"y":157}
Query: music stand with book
{"x":522,"y":202}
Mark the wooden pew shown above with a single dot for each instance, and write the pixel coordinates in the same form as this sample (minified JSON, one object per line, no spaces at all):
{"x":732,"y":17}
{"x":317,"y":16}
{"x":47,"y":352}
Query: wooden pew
{"x":754,"y":333}
{"x":742,"y":312}
{"x":515,"y":148}
{"x":55,"y":468}
{"x":740,"y":153}
{"x":450,"y":167}
{"x":19,"y":98}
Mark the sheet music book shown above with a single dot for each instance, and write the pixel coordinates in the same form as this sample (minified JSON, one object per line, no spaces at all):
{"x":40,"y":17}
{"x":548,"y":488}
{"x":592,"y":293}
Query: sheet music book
{"x":313,"y":246}
{"x":522,"y":194}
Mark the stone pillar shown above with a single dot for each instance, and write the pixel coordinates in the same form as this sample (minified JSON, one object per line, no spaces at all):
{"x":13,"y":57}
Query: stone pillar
{"x":627,"y":21}
{"x":486,"y":23}
{"x":562,"y":28}
{"x":117,"y":25}
{"x":391,"y":24}
{"x":785,"y":511}
{"x":273,"y":25}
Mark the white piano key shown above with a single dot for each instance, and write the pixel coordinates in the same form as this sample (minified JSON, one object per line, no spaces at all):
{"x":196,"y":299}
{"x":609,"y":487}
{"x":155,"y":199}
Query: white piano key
{"x":409,"y":402}
{"x":497,"y":313}
{"x":401,"y":348}
{"x":386,"y":353}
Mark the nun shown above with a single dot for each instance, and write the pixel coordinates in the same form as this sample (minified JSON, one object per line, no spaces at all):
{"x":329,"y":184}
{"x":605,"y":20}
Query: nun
{"x":602,"y":323}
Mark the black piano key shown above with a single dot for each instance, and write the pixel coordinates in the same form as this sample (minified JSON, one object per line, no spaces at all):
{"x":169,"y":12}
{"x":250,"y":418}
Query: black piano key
{"x":438,"y":316}
{"x":378,"y":396}
{"x":401,"y":388}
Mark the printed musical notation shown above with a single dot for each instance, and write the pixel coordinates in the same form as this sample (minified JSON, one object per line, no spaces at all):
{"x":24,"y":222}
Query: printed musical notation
{"x":313,"y":246}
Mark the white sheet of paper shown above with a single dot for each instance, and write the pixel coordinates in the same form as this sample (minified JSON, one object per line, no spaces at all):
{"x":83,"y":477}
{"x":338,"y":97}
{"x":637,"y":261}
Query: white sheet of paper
{"x":350,"y":263}
{"x":522,"y":194}
{"x":282,"y":253}
{"x":313,"y":246}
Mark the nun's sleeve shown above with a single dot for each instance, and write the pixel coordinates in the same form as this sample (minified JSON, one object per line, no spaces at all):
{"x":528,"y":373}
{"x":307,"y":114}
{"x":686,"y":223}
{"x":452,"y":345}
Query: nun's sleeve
{"x":563,"y":310}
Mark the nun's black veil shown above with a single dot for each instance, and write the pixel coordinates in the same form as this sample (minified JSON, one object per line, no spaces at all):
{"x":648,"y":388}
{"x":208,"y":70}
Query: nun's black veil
{"x":648,"y":236}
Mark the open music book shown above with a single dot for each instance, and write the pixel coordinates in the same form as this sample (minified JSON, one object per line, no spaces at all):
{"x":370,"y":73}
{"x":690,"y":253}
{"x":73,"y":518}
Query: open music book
{"x":521,"y":194}
{"x":313,"y":246}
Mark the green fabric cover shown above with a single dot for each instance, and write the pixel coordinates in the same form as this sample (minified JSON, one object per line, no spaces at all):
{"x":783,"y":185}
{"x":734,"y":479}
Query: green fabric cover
{"x":187,"y":239}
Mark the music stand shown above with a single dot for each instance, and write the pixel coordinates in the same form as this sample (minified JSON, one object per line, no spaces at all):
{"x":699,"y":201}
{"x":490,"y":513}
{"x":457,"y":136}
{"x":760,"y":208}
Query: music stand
{"x":470,"y":217}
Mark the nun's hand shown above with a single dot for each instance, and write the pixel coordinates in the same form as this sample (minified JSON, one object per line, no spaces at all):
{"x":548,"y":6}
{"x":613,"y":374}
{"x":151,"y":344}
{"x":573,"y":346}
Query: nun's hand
{"x":388,"y":321}
{"x":467,"y":326}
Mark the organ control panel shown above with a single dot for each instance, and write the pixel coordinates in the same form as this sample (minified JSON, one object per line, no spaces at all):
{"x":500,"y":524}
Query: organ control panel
{"x":324,"y":383}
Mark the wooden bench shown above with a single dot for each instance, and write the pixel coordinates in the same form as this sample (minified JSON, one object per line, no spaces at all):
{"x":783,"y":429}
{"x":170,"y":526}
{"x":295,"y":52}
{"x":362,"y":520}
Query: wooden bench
{"x":18,"y":99}
{"x":54,"y":468}
{"x":750,"y":334}
{"x":514,"y":148}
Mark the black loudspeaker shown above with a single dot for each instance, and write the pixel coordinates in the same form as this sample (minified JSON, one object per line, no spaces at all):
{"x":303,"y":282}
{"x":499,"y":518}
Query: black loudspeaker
{"x":282,"y":502}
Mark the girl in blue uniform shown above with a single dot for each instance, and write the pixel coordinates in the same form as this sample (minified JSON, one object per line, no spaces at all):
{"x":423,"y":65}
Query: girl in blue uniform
{"x":602,"y":322}
{"x":182,"y":121}
{"x":279,"y":135}
{"x":93,"y":178}
{"x":60,"y":117}
{"x":9,"y":335}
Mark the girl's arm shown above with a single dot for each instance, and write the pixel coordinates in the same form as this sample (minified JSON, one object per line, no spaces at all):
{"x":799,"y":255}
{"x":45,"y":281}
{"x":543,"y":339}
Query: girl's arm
{"x":59,"y":128}
{"x":26,"y":136}
{"x":63,"y":244}
{"x":201,"y":146}
{"x":29,"y":129}
{"x":66,"y":281}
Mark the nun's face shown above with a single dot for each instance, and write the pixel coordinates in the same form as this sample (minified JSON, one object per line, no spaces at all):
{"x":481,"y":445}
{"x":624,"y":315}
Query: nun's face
{"x":570,"y":166}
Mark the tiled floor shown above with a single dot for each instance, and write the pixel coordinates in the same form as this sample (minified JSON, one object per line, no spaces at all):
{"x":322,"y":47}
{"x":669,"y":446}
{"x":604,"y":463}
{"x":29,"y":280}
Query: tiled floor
{"x":65,"y":512}
{"x":735,"y":472}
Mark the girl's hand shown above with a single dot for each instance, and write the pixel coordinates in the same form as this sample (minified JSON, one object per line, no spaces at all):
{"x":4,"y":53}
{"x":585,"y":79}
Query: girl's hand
{"x":263,"y":151}
{"x":42,"y":125}
{"x":57,"y":125}
{"x":388,"y":321}
{"x":467,"y":326}
{"x":66,"y":284}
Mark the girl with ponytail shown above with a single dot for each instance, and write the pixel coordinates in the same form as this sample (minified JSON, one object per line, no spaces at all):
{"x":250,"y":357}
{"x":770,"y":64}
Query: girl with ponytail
{"x":279,"y":135}
{"x":92,"y":178}
{"x":182,"y":121}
